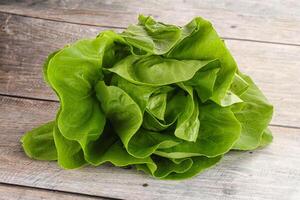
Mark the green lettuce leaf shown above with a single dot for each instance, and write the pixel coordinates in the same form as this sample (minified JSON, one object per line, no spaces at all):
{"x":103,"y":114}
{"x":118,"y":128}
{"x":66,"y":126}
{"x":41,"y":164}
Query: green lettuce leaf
{"x":255,"y":107}
{"x":32,"y":141}
{"x":166,"y":99}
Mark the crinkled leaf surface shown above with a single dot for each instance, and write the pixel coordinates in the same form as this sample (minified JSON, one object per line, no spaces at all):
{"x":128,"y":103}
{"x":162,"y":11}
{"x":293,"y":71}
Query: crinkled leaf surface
{"x":254,"y":107}
{"x":39,"y":143}
{"x":167,"y":99}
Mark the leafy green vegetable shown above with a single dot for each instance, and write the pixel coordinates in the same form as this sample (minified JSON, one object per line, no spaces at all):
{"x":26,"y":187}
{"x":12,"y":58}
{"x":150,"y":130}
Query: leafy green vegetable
{"x":166,"y":99}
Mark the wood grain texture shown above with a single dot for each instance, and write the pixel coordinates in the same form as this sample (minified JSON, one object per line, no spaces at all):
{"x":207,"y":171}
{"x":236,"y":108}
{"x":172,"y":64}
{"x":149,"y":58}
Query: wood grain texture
{"x":12,"y":192}
{"x":26,"y":42}
{"x":273,"y":21}
{"x":271,"y":173}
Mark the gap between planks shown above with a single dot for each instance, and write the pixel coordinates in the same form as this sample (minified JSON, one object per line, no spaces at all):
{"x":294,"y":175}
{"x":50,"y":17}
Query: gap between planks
{"x":20,"y":191}
{"x":123,"y":28}
{"x":275,"y":21}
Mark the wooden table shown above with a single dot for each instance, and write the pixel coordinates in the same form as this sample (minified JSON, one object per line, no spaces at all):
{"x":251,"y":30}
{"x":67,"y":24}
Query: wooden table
{"x":263,"y":36}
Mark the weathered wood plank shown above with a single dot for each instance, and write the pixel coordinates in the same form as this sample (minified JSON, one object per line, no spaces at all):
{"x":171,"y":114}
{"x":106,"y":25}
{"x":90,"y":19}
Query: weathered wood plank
{"x":269,"y":173}
{"x":24,"y":45}
{"x":9,"y":192}
{"x":26,"y":42}
{"x":274,"y":21}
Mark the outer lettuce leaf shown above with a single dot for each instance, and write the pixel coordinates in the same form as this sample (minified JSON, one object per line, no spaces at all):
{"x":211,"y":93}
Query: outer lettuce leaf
{"x":167,"y":99}
{"x":266,"y":138}
{"x":254,"y":114}
{"x":42,"y":135}
{"x":72,"y":73}
{"x":204,"y":44}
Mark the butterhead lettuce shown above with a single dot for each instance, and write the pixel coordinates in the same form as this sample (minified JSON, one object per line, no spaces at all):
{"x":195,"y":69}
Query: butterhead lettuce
{"x":168,"y":100}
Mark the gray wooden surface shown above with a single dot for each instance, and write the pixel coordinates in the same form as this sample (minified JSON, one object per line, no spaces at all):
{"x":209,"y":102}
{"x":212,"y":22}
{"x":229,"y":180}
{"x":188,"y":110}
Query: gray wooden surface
{"x":27,"y":193}
{"x":264,"y":37}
